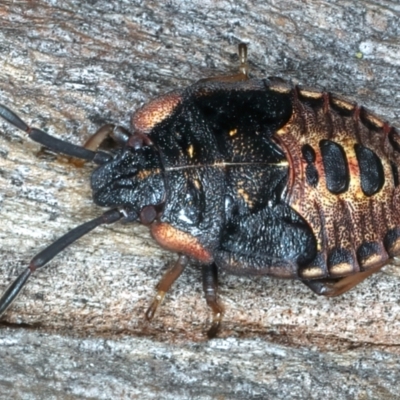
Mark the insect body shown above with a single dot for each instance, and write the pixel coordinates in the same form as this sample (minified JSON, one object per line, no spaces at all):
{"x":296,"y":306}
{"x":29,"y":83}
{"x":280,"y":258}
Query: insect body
{"x":253,"y":176}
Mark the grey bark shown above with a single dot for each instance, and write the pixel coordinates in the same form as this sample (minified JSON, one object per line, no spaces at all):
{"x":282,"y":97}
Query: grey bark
{"x":78,"y":331}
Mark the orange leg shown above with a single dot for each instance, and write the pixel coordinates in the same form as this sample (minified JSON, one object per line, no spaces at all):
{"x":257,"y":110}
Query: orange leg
{"x":117,"y":134}
{"x":175,"y":240}
{"x":335,"y":287}
{"x":172,"y":274}
{"x":242,"y":75}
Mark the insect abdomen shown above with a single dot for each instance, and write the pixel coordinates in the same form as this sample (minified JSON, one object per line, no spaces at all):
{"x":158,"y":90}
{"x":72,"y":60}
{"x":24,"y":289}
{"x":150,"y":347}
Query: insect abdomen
{"x":343,"y":182}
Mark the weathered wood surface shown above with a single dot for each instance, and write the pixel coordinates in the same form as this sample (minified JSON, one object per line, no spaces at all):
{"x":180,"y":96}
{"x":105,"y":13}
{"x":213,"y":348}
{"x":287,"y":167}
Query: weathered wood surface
{"x":78,"y":329}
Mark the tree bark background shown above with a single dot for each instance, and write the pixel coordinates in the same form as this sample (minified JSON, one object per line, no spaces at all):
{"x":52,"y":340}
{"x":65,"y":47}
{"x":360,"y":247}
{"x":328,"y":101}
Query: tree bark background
{"x":78,"y":331}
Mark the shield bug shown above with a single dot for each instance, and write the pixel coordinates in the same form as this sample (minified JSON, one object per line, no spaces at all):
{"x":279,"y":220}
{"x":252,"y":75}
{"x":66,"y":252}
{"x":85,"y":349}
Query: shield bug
{"x":254,"y":176}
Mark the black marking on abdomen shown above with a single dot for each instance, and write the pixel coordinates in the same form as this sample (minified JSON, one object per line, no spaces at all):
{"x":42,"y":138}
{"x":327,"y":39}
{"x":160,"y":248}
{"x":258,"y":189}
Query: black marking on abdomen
{"x":340,"y":262}
{"x":371,"y":121}
{"x":311,"y":171}
{"x":342,"y":106}
{"x":371,"y":170}
{"x":312,"y":175}
{"x":370,"y":254}
{"x":394,"y":139}
{"x":308,"y":153}
{"x":395,"y":173}
{"x":335,"y":166}
{"x":392,"y":242}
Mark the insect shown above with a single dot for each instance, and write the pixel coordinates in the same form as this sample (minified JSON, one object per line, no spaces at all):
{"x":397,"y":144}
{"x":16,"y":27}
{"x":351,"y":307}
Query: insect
{"x":253,"y":176}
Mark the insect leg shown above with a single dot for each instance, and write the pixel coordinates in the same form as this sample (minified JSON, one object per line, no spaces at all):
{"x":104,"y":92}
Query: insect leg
{"x":210,"y":286}
{"x":244,"y":66}
{"x":57,"y":145}
{"x":242,"y":75}
{"x":118,"y":134}
{"x":172,"y":274}
{"x":51,"y":251}
{"x":335,"y":287}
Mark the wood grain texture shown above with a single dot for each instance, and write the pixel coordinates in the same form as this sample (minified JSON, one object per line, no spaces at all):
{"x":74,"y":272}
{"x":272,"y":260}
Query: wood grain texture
{"x":78,"y":329}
